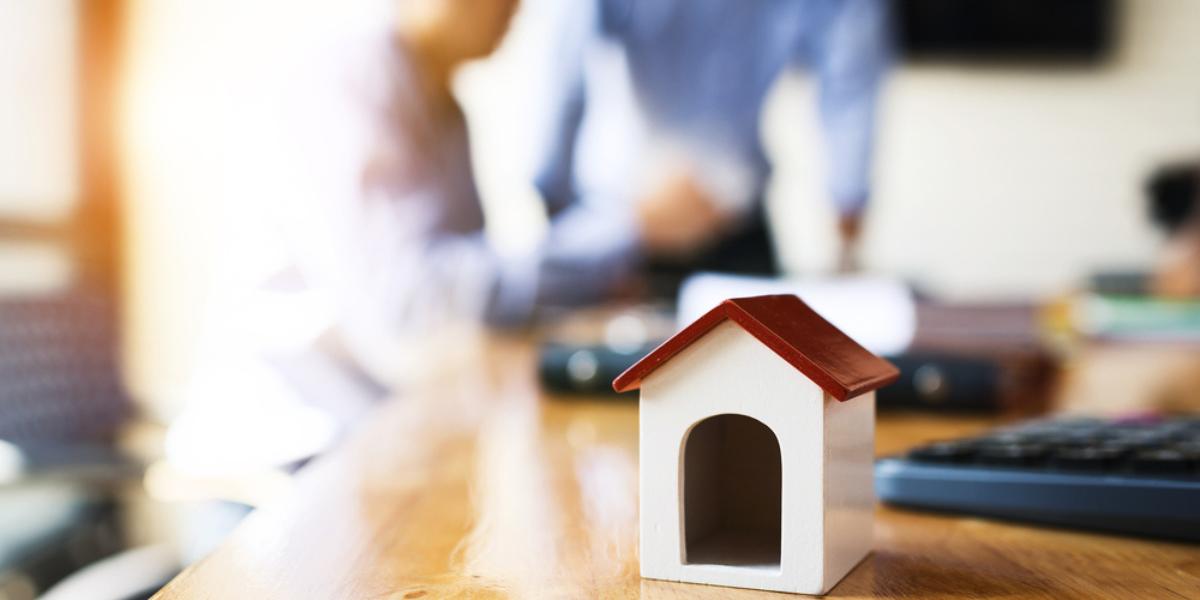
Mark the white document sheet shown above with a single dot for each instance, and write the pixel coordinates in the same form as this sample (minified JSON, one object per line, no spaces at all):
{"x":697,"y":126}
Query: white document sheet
{"x":877,"y":312}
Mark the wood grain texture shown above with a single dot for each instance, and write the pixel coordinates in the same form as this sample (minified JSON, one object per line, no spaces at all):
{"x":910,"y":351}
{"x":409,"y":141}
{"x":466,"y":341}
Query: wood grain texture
{"x":474,"y":485}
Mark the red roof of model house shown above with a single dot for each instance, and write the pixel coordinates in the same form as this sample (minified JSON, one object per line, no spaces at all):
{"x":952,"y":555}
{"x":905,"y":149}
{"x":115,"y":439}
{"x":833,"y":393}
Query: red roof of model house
{"x":799,"y":335}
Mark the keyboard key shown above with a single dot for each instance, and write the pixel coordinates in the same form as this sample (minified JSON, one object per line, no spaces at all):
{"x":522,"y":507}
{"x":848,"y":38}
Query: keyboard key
{"x":1082,"y":439}
{"x":1126,"y":446}
{"x":1008,"y":438}
{"x":1143,"y":439}
{"x":1012,"y":455}
{"x":1085,"y":459}
{"x":1163,"y":461}
{"x":943,"y":452}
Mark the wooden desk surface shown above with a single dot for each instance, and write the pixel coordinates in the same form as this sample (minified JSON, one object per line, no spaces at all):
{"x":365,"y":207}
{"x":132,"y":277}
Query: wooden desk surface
{"x":479,"y":486}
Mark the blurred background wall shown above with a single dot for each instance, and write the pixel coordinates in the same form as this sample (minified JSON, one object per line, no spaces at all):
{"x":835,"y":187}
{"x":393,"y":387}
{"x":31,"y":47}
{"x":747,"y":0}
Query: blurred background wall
{"x":1010,"y":180}
{"x":37,"y":56}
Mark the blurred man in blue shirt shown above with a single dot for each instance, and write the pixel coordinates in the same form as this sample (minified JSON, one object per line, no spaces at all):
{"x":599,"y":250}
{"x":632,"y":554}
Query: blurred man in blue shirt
{"x":650,"y":152}
{"x":645,"y":146}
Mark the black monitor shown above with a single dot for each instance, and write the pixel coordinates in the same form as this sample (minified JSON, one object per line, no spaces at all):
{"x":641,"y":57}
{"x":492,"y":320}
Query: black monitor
{"x":1036,"y":30}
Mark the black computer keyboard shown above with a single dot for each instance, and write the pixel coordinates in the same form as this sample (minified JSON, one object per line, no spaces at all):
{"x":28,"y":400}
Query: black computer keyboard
{"x":1134,"y":475}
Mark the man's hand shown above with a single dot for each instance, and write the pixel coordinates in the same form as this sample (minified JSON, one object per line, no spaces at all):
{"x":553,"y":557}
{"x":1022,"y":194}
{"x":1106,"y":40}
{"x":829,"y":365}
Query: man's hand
{"x":849,"y":232}
{"x":678,"y":217}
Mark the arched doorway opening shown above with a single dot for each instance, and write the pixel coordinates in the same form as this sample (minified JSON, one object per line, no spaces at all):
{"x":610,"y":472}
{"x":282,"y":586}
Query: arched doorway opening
{"x":732,"y":493}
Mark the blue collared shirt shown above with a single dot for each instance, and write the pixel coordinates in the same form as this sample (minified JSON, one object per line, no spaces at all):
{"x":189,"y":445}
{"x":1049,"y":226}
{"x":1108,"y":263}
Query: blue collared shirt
{"x":698,"y":72}
{"x":638,"y":85}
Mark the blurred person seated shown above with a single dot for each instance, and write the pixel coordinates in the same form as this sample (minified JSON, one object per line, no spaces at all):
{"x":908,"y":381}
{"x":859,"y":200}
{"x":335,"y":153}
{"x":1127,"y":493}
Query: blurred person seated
{"x":364,"y":262}
{"x":650,"y":147}
{"x":383,"y":216}
{"x":1175,"y":206}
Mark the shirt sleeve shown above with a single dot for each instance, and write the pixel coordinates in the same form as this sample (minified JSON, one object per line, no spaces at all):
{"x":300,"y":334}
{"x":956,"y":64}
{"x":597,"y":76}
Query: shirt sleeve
{"x":851,"y":55}
{"x":557,"y":37}
{"x":590,"y":245}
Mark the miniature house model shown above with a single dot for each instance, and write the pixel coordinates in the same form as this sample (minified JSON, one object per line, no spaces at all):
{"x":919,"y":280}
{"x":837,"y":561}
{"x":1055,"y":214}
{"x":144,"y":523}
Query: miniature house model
{"x":756,"y":444}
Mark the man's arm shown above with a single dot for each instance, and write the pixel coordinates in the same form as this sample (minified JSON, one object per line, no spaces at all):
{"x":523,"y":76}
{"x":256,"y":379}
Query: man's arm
{"x":852,"y":53}
{"x":591,"y":244}
{"x":604,"y":218}
{"x":559,"y":34}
